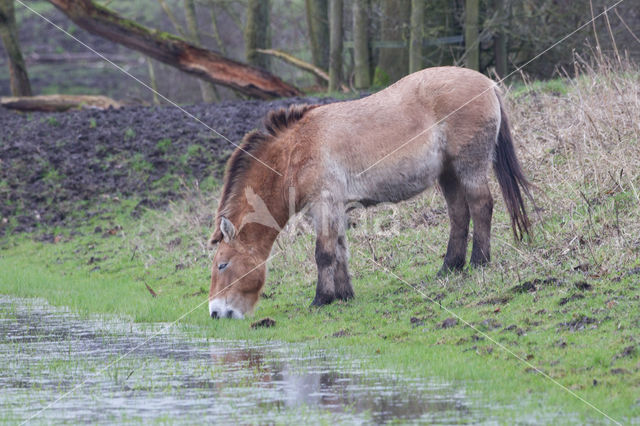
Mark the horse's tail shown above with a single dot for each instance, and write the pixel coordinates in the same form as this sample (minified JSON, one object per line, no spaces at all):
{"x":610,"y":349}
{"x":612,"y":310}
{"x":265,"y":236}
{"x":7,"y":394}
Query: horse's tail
{"x":511,"y":178}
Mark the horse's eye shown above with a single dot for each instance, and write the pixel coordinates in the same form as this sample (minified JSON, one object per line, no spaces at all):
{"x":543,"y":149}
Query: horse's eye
{"x":222,"y":266}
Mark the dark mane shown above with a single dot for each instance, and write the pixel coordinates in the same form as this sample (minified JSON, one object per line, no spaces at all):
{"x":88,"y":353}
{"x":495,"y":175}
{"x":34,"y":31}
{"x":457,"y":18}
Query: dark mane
{"x":280,"y":119}
{"x":252,"y":144}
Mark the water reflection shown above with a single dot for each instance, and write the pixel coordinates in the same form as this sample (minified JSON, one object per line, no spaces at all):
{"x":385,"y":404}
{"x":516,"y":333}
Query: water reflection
{"x":45,"y":351}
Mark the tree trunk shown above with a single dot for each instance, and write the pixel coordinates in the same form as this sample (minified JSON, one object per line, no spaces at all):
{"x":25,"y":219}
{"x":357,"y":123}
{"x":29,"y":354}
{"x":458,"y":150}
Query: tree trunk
{"x":216,"y":31}
{"x":501,"y":38}
{"x":318,"y":24}
{"x":472,"y":49}
{"x":361,"y":61}
{"x":19,"y":79}
{"x":152,"y":80}
{"x":175,"y":51}
{"x":393,"y":63}
{"x":174,"y":21}
{"x":208,"y":90}
{"x":417,"y":35}
{"x":336,"y":34}
{"x":256,"y":33}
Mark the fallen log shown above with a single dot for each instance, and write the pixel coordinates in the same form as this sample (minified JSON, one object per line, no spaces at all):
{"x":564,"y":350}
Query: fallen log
{"x":57,"y":103}
{"x":174,"y":51}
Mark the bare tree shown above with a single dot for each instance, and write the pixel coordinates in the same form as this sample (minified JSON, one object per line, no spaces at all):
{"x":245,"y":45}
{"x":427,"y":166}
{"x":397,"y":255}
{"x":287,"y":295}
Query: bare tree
{"x":502,"y":9}
{"x":393,"y":63}
{"x":336,"y":34}
{"x":472,"y":48}
{"x":318,"y":24}
{"x":208,"y":90}
{"x":174,"y":21}
{"x":216,"y":29}
{"x":417,"y":35}
{"x":175,"y":51}
{"x":256,"y":33}
{"x":19,"y":79}
{"x":362,"y":64}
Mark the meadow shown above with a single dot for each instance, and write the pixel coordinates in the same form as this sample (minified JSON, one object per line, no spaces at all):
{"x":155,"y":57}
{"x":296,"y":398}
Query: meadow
{"x":551,"y":327}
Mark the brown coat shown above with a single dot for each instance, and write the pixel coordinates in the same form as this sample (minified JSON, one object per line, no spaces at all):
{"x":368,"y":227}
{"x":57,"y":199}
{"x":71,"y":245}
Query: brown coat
{"x":440,"y":124}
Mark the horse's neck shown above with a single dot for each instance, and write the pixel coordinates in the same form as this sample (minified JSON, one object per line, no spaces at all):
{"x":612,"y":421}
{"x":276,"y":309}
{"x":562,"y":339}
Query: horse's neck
{"x":266,"y":210}
{"x":259,"y":238}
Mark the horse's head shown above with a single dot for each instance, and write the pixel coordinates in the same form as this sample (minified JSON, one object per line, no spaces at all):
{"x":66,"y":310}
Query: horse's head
{"x":237,"y":275}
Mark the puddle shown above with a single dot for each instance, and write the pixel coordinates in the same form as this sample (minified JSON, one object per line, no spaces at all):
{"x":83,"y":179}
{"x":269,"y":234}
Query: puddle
{"x":46,"y":351}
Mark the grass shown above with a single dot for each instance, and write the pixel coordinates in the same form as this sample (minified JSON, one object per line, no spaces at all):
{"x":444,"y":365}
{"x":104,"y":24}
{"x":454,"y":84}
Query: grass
{"x":556,"y":86}
{"x":566,"y":301}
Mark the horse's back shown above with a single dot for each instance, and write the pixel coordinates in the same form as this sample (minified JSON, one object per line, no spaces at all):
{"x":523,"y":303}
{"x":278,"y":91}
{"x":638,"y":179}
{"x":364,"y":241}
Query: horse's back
{"x":401,"y":136}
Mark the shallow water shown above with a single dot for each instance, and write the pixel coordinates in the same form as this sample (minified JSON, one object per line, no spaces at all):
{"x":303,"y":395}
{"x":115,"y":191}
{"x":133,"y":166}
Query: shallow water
{"x":45,"y":352}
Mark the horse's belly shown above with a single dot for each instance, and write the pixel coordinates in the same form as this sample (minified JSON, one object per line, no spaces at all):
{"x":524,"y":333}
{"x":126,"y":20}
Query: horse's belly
{"x":405,"y":179}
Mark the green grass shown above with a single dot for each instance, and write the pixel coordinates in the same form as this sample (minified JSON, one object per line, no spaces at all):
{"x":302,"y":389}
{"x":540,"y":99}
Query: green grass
{"x":164,"y":145}
{"x":129,"y":134}
{"x":389,"y":325}
{"x":557,"y":87}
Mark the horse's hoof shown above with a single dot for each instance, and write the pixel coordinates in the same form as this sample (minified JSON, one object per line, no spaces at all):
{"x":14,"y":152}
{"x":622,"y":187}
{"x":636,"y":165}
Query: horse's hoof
{"x":479,"y":263}
{"x":322,"y":299}
{"x":448,"y":270}
{"x":345,"y":296}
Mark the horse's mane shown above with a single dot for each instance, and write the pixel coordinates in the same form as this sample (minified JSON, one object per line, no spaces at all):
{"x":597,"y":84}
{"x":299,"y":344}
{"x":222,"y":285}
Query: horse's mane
{"x":253,"y":143}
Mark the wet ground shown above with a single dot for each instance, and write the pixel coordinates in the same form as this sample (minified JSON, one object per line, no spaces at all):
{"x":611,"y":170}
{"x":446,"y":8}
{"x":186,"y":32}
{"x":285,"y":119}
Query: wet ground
{"x":45,"y":352}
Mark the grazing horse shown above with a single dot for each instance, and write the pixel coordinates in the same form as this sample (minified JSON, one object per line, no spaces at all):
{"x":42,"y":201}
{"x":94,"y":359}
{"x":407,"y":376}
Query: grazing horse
{"x":445,"y":125}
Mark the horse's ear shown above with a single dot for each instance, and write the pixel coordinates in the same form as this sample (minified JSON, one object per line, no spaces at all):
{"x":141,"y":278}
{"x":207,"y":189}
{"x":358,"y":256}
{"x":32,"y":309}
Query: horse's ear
{"x":227,"y":229}
{"x":214,"y":239}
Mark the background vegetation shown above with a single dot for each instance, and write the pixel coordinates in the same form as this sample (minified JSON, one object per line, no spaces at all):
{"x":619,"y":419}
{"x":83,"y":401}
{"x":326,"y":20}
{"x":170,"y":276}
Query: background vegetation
{"x":376,"y":41}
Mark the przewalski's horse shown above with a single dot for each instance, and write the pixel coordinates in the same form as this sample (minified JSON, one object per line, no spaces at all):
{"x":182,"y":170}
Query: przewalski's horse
{"x":321,"y":158}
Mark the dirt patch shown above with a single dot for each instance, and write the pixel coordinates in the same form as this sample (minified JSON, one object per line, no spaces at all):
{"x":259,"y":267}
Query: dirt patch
{"x":583,"y":286}
{"x":579,"y":323}
{"x":571,"y":298}
{"x":490,"y":324}
{"x":519,"y":331}
{"x":629,"y":351}
{"x":449,"y":322}
{"x":264,"y":323}
{"x":416,"y":322}
{"x":51,"y":162}
{"x":532,"y":285}
{"x":620,"y":371}
{"x":341,"y":333}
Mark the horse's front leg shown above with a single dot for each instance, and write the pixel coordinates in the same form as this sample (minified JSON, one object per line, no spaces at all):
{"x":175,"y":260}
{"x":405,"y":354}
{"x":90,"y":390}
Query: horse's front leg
{"x":332,"y":258}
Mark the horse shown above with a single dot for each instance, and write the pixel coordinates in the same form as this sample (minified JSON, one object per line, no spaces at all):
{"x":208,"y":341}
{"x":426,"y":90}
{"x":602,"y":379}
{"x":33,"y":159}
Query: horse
{"x":444,"y":125}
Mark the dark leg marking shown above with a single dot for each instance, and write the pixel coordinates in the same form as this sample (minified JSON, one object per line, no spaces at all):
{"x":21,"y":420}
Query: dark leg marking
{"x":481,"y":206}
{"x":459,"y":222}
{"x":342,"y":280}
{"x":326,"y":263}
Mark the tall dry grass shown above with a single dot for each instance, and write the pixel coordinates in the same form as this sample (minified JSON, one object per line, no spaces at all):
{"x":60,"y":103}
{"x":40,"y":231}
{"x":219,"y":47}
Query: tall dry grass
{"x":581,"y":150}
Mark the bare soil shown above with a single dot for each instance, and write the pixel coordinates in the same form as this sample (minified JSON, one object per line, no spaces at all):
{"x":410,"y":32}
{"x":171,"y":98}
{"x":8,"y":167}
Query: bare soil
{"x":49,"y":162}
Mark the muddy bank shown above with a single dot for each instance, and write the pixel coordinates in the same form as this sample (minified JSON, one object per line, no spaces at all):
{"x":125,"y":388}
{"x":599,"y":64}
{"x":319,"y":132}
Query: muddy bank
{"x":51,"y":164}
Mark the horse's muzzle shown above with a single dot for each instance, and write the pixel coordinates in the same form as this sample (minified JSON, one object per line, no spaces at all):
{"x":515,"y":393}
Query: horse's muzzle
{"x":219,"y":308}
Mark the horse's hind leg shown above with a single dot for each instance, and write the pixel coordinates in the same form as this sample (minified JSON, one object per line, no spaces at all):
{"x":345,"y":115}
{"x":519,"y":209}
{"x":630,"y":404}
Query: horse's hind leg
{"x":342,"y":280}
{"x":454,"y":194}
{"x":481,"y":207}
